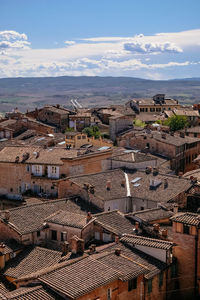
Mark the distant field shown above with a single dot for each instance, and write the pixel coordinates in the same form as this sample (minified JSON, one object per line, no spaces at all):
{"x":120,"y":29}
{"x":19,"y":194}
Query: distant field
{"x":28,"y":93}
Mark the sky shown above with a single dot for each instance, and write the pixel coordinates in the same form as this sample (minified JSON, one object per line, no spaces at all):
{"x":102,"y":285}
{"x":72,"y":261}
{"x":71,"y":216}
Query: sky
{"x":148,"y":39}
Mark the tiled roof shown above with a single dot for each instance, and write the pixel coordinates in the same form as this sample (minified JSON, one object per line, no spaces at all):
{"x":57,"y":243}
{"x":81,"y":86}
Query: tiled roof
{"x":58,"y":110}
{"x":30,"y":261}
{"x":126,"y":267}
{"x":114,"y":221}
{"x":192,"y":129}
{"x":80,"y":278}
{"x":150,"y":101}
{"x":141,"y":189}
{"x":67,"y":219}
{"x":186,"y":112}
{"x":94,"y":271}
{"x":99,"y":181}
{"x":44,"y":156}
{"x":149,"y":215}
{"x":153,"y":265}
{"x":30,"y":218}
{"x":187,"y":218}
{"x":145,"y":241}
{"x":31,"y":293}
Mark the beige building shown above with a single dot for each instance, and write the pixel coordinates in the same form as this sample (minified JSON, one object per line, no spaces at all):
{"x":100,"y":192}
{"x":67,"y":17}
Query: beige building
{"x":155,"y":105}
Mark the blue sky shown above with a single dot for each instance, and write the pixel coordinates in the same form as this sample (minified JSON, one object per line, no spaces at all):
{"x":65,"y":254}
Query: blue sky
{"x":148,"y":39}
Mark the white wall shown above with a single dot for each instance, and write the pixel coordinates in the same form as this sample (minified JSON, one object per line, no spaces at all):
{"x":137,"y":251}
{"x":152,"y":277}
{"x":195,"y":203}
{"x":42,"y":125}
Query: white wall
{"x":157,"y":253}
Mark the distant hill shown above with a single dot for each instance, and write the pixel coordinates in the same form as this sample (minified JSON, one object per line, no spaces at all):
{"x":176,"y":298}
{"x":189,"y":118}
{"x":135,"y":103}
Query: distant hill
{"x":27,"y":93}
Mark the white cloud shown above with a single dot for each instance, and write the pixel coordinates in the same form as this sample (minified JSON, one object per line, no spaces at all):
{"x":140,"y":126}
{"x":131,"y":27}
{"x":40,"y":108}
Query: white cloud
{"x":130,"y":56}
{"x":69,"y":43}
{"x":13,"y":40}
{"x":141,"y":47}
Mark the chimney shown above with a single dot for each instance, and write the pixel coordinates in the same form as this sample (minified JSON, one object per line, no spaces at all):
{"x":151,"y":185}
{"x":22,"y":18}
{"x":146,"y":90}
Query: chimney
{"x":165,"y":183}
{"x":92,"y":248}
{"x":108,"y":185}
{"x":182,"y":134}
{"x":156,"y":227}
{"x":17,"y":159}
{"x":136,"y":226}
{"x":172,"y":133}
{"x":6,"y":215}
{"x":180,"y":174}
{"x":118,"y":251}
{"x":163,"y":135}
{"x":89,"y":216}
{"x":2,"y":248}
{"x":77,"y":245}
{"x":164,"y":233}
{"x":123,"y":183}
{"x":155,"y":171}
{"x":148,"y":170}
{"x":175,"y":208}
{"x":65,"y":248}
{"x":116,"y":239}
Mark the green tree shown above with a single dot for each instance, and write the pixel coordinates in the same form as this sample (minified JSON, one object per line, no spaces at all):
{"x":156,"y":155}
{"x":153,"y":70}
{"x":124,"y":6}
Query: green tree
{"x":92,"y":131}
{"x":177,"y":122}
{"x":139,"y":123}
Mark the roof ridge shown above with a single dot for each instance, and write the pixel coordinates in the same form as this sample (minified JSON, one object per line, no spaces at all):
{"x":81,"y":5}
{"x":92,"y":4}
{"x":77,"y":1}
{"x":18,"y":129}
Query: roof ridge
{"x":107,"y":171}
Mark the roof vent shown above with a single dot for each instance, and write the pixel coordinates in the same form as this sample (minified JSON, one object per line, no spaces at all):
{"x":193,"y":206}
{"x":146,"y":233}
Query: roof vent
{"x":163,"y":135}
{"x":155,"y":171}
{"x":182,"y":134}
{"x":154,"y":183}
{"x":148,"y":170}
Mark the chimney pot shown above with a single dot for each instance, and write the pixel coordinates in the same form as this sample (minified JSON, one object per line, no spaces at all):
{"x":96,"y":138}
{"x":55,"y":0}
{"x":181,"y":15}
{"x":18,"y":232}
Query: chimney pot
{"x":136,"y":225}
{"x":89,"y":216}
{"x":175,"y":208}
{"x":156,"y":227}
{"x":164,"y":233}
{"x":108,"y":185}
{"x":7,"y":215}
{"x":65,"y":248}
{"x":118,"y":251}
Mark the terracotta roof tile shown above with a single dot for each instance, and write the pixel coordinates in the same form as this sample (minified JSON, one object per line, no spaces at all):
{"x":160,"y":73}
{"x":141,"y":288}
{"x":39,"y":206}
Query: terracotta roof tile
{"x":187,"y":218}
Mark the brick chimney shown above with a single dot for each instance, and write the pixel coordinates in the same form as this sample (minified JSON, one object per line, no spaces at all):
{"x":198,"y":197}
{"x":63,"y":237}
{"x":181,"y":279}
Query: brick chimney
{"x":118,"y":251}
{"x":136,"y":226}
{"x":156,"y":227}
{"x":6,"y":215}
{"x":92,"y":248}
{"x":123,"y":183}
{"x":117,"y":239}
{"x":65,"y":248}
{"x":175,"y":209}
{"x":89,"y":216}
{"x":2,"y":255}
{"x":108,"y":185}
{"x":77,"y":245}
{"x":164,"y":233}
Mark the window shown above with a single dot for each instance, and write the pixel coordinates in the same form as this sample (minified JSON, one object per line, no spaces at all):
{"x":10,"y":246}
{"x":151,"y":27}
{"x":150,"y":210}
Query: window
{"x":149,"y":286}
{"x":186,"y":229}
{"x":160,"y":279}
{"x":38,"y":233}
{"x":174,"y":271}
{"x":109,"y":294}
{"x":54,"y":235}
{"x":83,"y":137}
{"x":79,"y":137}
{"x":11,"y":189}
{"x":37,"y":169}
{"x":27,"y":168}
{"x":53,"y":170}
{"x":63,"y":236}
{"x":142,"y":208}
{"x":132,"y":284}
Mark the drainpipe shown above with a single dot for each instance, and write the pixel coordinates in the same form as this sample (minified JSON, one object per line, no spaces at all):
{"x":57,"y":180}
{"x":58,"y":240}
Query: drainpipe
{"x":196,"y":261}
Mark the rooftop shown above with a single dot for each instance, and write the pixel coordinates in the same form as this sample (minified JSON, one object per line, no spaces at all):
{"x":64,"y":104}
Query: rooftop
{"x":66,"y":218}
{"x":153,"y":214}
{"x":145,"y":241}
{"x":114,"y":221}
{"x":187,"y":218}
{"x":30,"y":218}
{"x":31,"y":293}
{"x":30,"y":261}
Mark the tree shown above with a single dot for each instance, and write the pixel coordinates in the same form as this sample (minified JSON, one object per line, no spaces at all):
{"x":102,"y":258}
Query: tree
{"x":139,"y":123}
{"x":177,"y":122}
{"x":92,"y":131}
